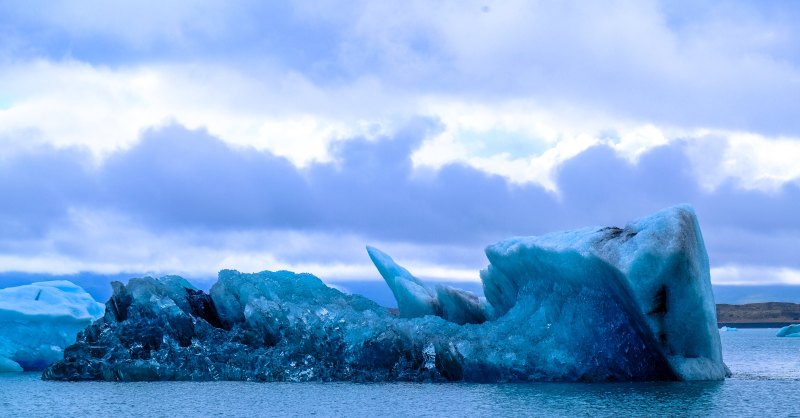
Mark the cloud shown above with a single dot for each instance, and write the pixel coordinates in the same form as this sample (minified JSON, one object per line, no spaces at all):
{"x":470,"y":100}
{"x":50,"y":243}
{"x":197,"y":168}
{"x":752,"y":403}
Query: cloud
{"x":38,"y":186}
{"x":73,"y":103}
{"x":740,"y":226}
{"x":140,"y":25}
{"x":176,"y":178}
{"x":184,"y":201}
{"x":730,"y":66}
{"x":76,"y":104}
{"x":709,"y":65}
{"x":747,"y":275}
{"x":198,"y":135}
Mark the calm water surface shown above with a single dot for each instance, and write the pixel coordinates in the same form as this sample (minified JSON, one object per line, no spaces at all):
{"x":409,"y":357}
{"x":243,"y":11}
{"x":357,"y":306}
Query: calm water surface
{"x":765,"y":382}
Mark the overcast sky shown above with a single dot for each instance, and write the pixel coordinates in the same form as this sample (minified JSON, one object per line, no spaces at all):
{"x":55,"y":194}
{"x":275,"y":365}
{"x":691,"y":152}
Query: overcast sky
{"x":186,"y":137}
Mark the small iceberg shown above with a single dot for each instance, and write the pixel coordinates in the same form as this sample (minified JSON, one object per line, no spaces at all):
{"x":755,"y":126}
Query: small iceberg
{"x":728,"y":329}
{"x":789,"y":331}
{"x":39,"y":320}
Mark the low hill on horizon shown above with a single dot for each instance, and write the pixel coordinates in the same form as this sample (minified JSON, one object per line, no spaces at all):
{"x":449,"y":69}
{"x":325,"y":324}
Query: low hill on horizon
{"x":778,"y":313}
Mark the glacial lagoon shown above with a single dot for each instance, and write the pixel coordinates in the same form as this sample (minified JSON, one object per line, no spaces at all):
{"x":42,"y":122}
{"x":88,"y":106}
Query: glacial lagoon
{"x":763,"y":370}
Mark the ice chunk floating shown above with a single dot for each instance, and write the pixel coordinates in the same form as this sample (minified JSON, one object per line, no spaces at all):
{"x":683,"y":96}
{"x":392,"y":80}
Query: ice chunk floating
{"x":789,"y":331}
{"x":596,"y":304}
{"x":37,"y":321}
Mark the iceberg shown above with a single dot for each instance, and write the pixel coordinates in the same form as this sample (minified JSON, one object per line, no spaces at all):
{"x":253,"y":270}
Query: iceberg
{"x":789,"y":331}
{"x":663,"y":272}
{"x":596,"y":304}
{"x":39,"y":320}
{"x":415,"y":298}
{"x":8,"y":365}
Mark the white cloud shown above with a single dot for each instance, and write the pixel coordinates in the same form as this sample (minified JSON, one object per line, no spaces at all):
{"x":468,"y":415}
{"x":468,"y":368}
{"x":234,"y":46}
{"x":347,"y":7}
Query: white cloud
{"x":761,"y":163}
{"x":751,"y":275}
{"x":750,"y":160}
{"x":523,"y":141}
{"x":71,"y":103}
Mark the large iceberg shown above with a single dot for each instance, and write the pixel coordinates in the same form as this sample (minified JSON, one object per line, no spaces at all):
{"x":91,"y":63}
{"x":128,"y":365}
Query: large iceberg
{"x":596,"y":304}
{"x":660,"y":270}
{"x":37,"y":321}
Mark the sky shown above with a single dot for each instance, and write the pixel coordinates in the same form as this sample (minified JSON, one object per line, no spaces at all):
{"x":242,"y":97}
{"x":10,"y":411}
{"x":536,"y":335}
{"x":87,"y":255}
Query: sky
{"x":186,"y":137}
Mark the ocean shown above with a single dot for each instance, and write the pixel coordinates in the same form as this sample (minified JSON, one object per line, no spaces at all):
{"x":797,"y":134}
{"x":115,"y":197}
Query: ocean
{"x":765,"y":382}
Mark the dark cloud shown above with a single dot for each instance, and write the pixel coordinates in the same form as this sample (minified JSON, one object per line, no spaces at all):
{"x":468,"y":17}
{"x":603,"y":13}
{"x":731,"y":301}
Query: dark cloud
{"x":182,"y":180}
{"x":38,"y":186}
{"x":178,"y":178}
{"x":599,"y":186}
{"x":739,"y":226}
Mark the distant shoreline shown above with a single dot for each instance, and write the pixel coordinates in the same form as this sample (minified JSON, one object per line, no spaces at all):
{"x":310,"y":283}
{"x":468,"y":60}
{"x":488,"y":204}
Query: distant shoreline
{"x":754,"y":324}
{"x":758,"y":315}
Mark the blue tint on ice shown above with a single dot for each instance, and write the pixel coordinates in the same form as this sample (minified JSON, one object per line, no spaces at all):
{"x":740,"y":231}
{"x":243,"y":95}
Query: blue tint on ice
{"x":789,"y":331}
{"x":415,"y":298}
{"x":596,"y":304}
{"x":664,"y":273}
{"x":37,"y":321}
{"x":655,"y":268}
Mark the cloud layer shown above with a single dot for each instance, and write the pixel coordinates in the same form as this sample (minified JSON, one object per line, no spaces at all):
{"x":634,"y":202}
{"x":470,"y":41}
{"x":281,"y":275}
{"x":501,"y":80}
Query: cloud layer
{"x":185,"y":137}
{"x":191,"y":196}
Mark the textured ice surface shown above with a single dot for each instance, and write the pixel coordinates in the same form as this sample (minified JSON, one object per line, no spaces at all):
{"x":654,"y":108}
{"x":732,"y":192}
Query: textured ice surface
{"x":415,"y":298}
{"x":664,"y":268}
{"x":37,"y":321}
{"x":598,"y":304}
{"x":789,"y":331}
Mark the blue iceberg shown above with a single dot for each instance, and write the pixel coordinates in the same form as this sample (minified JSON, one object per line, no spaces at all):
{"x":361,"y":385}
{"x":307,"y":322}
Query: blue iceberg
{"x":414,"y":298}
{"x":789,"y":331}
{"x":39,"y":320}
{"x":596,"y":304}
{"x":657,"y":267}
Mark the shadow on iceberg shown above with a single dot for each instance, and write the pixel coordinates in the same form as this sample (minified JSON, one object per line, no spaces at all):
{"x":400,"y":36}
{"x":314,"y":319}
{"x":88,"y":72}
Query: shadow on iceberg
{"x":596,"y":304}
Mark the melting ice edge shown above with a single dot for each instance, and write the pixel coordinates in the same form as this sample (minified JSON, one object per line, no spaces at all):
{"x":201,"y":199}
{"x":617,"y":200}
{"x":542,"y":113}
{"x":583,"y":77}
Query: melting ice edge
{"x":595,"y":304}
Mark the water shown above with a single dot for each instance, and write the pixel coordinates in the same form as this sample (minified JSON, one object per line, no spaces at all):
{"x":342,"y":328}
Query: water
{"x":766,"y":382}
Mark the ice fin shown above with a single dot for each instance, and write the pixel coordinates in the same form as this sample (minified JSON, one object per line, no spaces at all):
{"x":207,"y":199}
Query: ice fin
{"x":414,"y":298}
